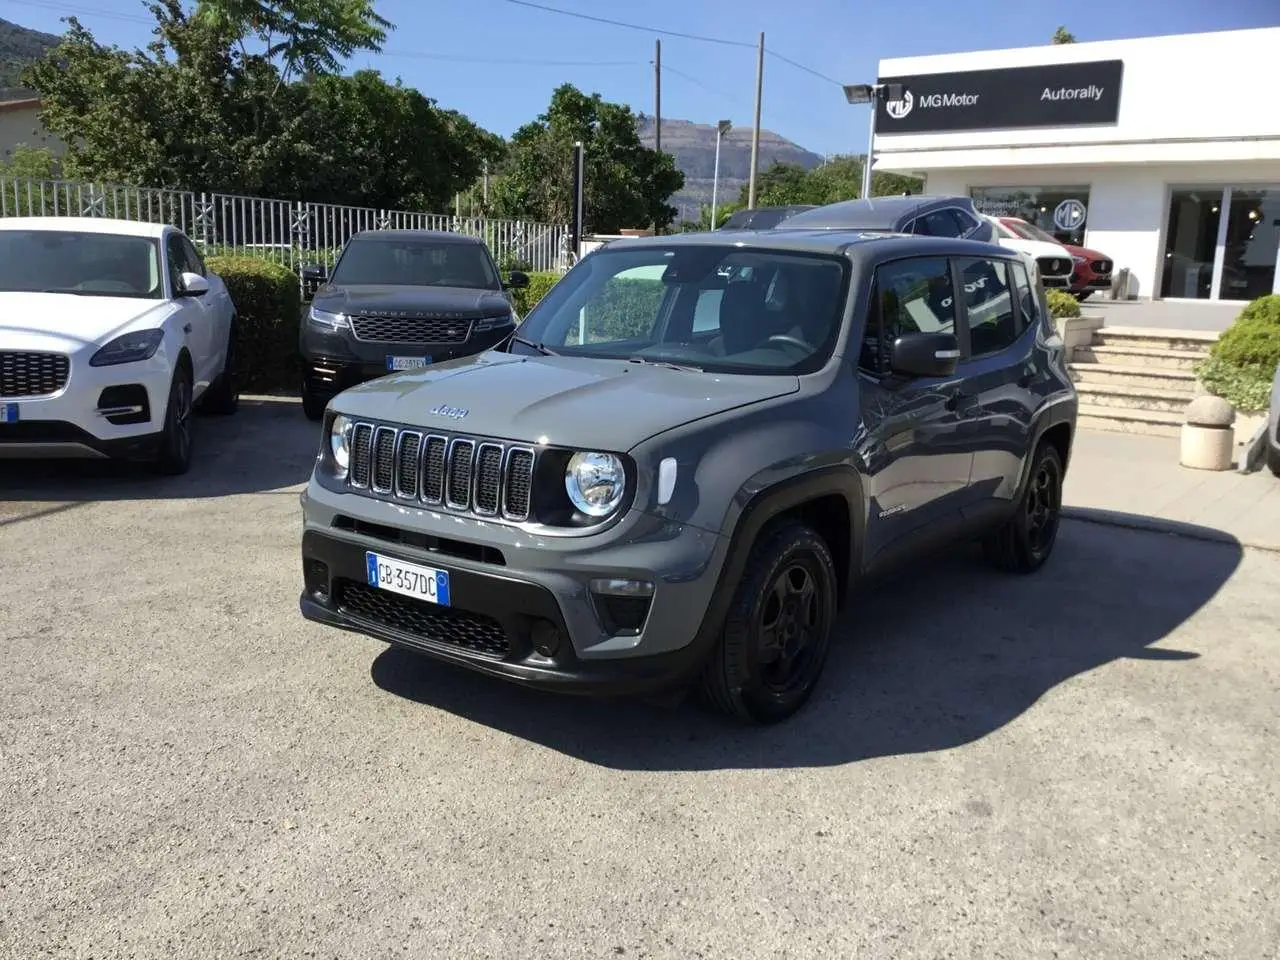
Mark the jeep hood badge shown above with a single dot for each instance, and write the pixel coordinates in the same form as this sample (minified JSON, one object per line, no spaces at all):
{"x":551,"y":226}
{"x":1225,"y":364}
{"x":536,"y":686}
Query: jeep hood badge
{"x":453,"y":413}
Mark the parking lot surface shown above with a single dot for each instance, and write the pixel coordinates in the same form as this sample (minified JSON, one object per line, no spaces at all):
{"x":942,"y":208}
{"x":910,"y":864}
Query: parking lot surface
{"x":1078,"y":764}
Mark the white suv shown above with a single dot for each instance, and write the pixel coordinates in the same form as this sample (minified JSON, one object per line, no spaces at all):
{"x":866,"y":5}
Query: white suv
{"x":110,"y":332}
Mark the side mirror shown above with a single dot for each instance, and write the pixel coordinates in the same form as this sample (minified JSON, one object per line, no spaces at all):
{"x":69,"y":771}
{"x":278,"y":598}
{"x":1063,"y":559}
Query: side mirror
{"x":314,"y":273}
{"x":193,"y":285}
{"x":925,"y":355}
{"x":517,"y":280}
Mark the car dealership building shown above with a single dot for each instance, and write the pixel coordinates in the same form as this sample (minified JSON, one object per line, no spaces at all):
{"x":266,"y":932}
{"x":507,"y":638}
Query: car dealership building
{"x":1162,"y":152}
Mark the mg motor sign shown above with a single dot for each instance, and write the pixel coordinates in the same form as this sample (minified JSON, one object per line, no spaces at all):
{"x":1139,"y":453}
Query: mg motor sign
{"x":1052,"y":95}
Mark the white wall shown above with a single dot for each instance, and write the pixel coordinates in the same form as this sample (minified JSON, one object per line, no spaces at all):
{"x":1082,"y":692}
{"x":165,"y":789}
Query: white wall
{"x":1128,"y":206}
{"x":1175,"y":90}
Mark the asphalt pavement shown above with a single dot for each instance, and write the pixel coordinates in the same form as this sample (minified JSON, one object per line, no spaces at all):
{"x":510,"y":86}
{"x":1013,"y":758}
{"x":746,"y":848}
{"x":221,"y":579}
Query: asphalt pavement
{"x":1079,"y":764}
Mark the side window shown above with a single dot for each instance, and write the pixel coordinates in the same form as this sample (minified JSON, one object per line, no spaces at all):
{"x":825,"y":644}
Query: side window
{"x":967,"y":223}
{"x":176,"y":262}
{"x":988,"y":295}
{"x":910,"y":296}
{"x":626,"y":307}
{"x":194,"y":262}
{"x":1026,"y":294}
{"x":706,"y":312}
{"x":938,"y":223}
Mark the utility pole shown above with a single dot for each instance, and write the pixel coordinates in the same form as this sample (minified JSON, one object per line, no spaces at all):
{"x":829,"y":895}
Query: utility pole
{"x":657,"y":95}
{"x":486,"y":186}
{"x":755,"y":134}
{"x":657,"y":105}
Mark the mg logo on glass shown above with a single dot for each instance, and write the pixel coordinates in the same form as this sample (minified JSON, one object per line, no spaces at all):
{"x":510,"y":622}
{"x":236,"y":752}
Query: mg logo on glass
{"x":898,"y":109}
{"x":1069,"y":215}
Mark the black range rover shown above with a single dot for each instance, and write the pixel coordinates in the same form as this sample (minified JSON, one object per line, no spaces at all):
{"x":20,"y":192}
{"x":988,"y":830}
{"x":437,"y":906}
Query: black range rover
{"x":400,"y":300}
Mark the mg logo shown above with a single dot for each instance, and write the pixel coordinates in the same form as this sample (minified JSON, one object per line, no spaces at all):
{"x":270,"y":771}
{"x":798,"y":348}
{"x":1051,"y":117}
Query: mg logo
{"x":898,"y":109}
{"x":1069,"y":215}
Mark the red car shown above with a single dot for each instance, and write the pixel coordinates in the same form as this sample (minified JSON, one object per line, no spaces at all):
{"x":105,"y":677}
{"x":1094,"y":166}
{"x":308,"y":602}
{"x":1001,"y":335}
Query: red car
{"x":1093,"y":269}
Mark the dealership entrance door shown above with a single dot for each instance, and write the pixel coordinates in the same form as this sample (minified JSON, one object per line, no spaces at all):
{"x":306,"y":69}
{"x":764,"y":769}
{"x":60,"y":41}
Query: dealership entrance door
{"x":1222,"y":243}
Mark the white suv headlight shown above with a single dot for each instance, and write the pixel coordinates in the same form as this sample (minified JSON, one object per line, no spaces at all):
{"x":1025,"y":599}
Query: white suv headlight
{"x":595,"y":482}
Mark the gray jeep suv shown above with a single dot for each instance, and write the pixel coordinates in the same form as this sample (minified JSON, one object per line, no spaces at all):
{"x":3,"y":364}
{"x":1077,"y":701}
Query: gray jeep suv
{"x":685,"y":456}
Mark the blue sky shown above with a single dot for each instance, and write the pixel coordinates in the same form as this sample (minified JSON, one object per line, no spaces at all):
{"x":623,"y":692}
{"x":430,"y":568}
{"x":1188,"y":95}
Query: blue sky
{"x":510,"y":57}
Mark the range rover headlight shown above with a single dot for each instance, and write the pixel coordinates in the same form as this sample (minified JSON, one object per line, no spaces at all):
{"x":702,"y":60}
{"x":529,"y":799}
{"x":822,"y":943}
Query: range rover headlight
{"x":340,"y":442}
{"x":595,"y":482}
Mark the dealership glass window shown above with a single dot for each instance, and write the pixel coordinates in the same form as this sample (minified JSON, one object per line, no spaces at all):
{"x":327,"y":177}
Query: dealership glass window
{"x":1189,"y":243}
{"x":1251,"y":243}
{"x":1061,"y":211}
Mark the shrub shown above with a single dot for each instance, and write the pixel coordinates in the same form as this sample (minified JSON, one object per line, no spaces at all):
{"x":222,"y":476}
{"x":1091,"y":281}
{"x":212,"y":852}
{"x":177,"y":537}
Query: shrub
{"x":539,"y":284}
{"x":1242,"y":363}
{"x":1062,"y":305}
{"x":268,"y":304}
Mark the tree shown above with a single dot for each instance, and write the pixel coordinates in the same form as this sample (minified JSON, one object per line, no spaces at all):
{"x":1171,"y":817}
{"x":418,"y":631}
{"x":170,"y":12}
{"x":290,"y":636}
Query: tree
{"x":840,"y":179}
{"x":197,"y":110}
{"x":308,"y":36}
{"x":627,"y":183}
{"x":33,"y":163}
{"x":1062,"y":35}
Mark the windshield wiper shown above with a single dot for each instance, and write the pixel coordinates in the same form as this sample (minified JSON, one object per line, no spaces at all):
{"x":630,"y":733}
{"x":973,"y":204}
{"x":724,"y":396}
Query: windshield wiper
{"x":71,"y":290}
{"x":669,"y":364}
{"x":541,"y":348}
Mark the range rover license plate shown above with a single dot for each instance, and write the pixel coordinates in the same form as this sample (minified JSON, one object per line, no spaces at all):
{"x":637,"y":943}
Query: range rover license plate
{"x":407,"y":363}
{"x":407,"y":579}
{"x":8,"y":413}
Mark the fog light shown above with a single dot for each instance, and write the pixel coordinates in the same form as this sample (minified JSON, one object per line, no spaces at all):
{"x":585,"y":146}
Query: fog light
{"x":316,"y":575}
{"x":622,"y":605}
{"x":546,"y":638}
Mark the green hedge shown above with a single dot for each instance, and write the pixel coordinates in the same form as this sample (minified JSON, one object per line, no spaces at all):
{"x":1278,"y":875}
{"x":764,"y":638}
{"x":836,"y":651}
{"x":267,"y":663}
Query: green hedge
{"x":268,"y":305}
{"x":1062,"y":305}
{"x":1242,"y":363}
{"x":625,"y":309}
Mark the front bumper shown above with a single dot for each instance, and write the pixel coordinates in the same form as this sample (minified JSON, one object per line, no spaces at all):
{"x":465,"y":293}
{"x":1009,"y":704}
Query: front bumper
{"x":101,"y":412}
{"x":333,"y":361}
{"x":511,"y":592}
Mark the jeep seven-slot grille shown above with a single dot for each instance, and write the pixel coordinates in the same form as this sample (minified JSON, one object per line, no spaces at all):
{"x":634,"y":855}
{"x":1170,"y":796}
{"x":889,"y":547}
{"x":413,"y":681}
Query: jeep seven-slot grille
{"x":478,"y":476}
{"x":426,"y":329}
{"x":32,"y":374}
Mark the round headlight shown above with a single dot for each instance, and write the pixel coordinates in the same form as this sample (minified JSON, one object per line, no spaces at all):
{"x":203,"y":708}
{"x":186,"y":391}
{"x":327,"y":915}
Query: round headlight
{"x":595,"y":483}
{"x":340,"y":442}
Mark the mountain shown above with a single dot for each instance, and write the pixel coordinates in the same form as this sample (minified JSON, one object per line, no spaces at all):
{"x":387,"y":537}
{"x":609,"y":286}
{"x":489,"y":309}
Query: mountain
{"x":694,"y":147}
{"x":19,"y":47}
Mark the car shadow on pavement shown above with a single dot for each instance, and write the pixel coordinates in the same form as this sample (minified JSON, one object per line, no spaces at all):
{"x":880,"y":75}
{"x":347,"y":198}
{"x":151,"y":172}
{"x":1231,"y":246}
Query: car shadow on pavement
{"x":267,"y":445}
{"x":941,"y":657}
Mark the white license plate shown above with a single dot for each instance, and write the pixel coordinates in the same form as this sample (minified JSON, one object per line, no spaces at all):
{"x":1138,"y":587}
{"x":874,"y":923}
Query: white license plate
{"x":8,"y":413}
{"x":407,"y":579}
{"x":407,"y":363}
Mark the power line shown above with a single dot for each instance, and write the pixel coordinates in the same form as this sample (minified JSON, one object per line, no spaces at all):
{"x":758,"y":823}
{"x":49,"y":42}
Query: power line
{"x":672,"y":33}
{"x":407,"y":54}
{"x":631,"y":26}
{"x":801,"y":66}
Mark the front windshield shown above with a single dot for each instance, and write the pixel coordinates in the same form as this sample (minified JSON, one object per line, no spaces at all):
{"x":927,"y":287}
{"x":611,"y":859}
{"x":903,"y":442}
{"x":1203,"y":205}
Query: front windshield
{"x":717,"y":308}
{"x":86,"y":264}
{"x":1029,"y":231}
{"x":416,"y":263}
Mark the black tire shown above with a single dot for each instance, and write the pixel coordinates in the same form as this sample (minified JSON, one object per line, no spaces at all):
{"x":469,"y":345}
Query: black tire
{"x":173,"y":457}
{"x":760,"y":674}
{"x":223,"y":396}
{"x":313,"y":404}
{"x":1083,"y":295}
{"x":1273,"y":459}
{"x":1025,"y":541}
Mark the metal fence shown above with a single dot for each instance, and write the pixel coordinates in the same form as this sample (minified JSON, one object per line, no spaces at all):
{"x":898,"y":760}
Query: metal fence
{"x":289,"y":233}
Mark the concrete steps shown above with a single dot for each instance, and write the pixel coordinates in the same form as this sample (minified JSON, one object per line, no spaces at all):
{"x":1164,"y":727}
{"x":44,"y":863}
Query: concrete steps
{"x":1138,"y":380}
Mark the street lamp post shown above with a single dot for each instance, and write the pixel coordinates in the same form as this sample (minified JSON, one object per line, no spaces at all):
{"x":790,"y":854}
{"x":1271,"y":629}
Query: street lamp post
{"x":871,"y":93}
{"x":721,"y":129}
